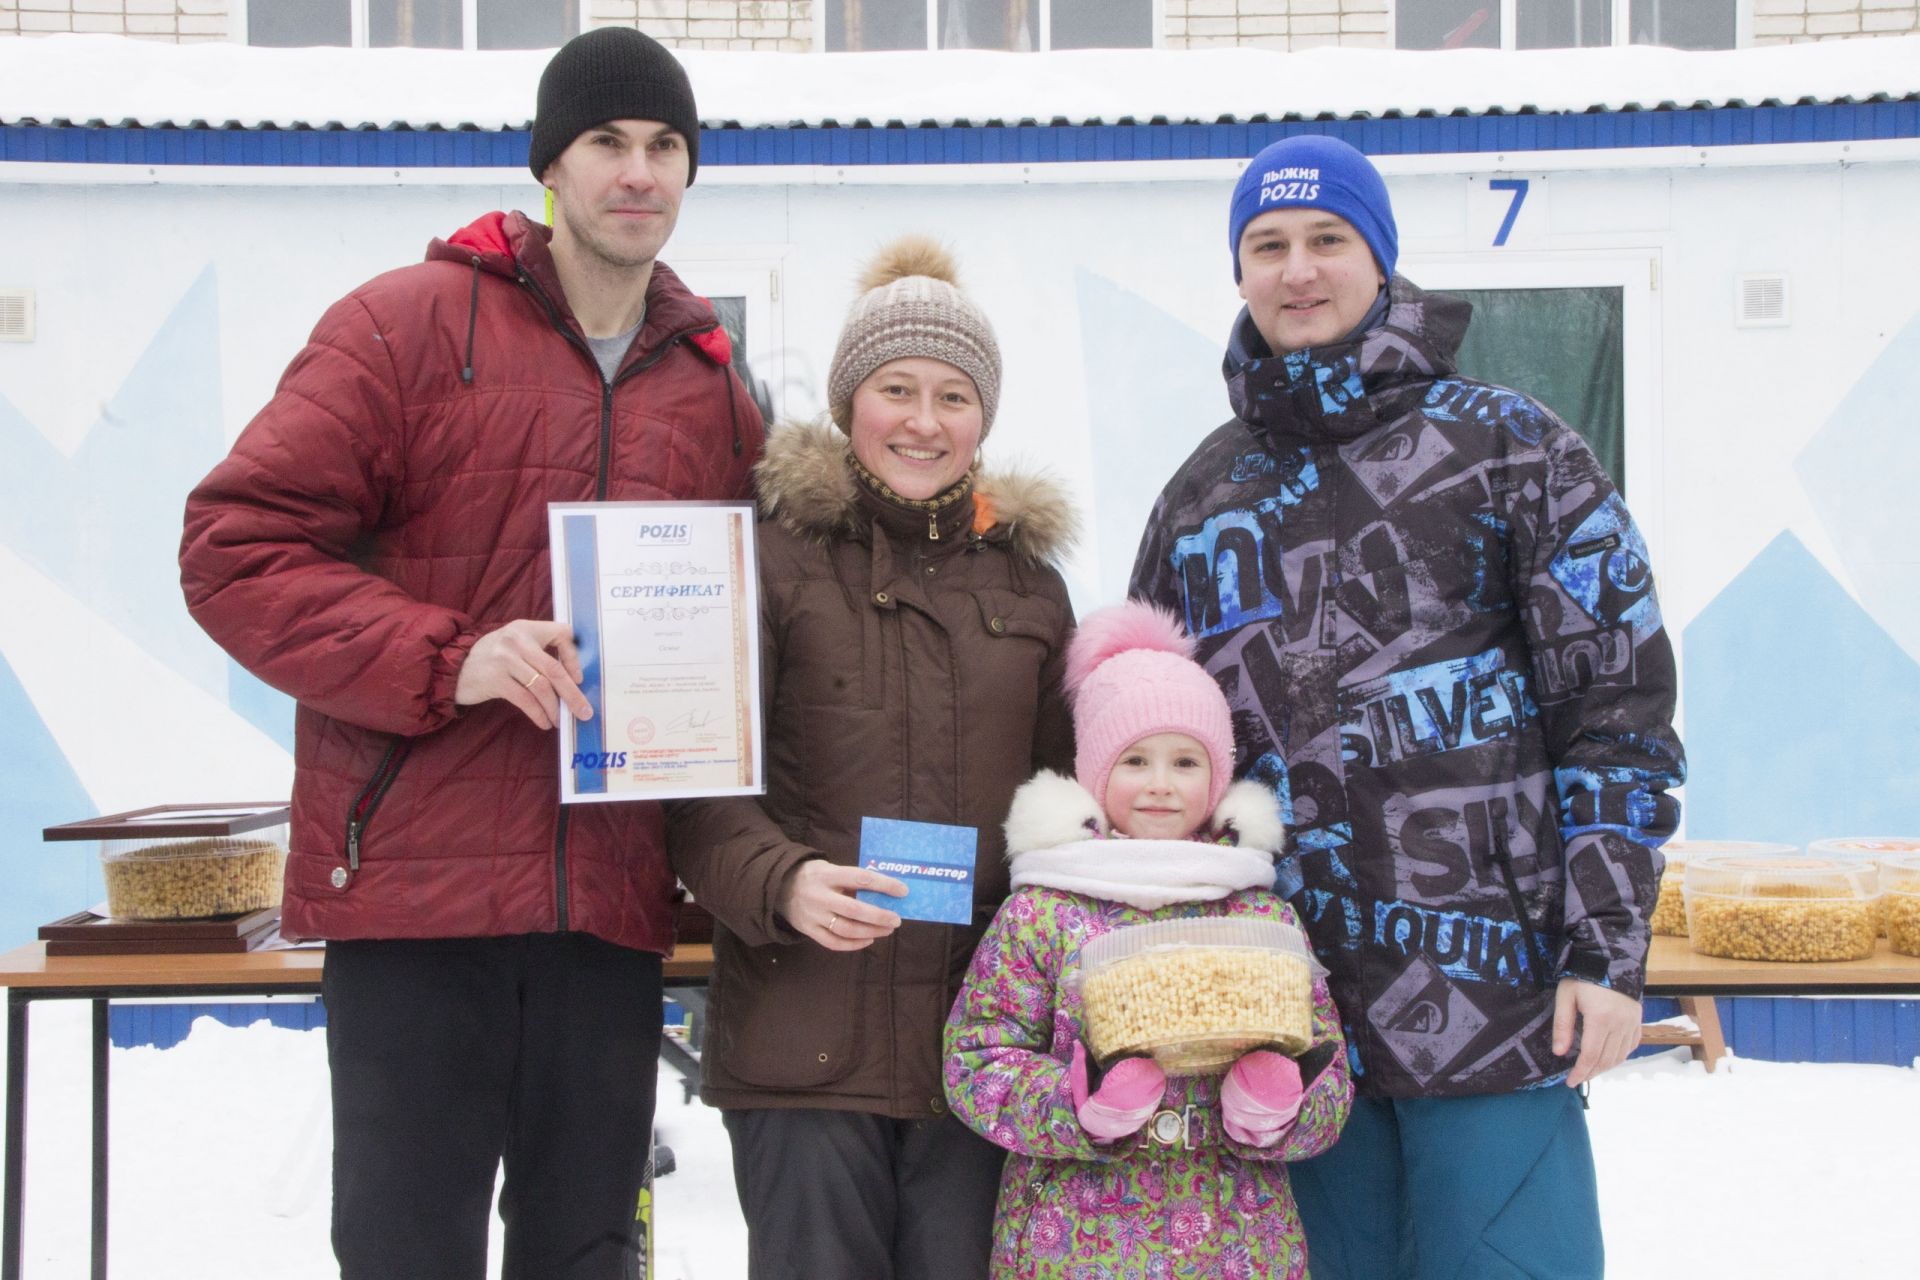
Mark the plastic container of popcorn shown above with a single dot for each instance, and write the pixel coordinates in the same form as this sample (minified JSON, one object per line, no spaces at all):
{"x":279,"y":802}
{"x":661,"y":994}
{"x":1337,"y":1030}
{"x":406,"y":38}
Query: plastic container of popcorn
{"x":1789,"y":909}
{"x":1900,"y":901}
{"x":185,"y":862}
{"x":1869,"y":852}
{"x":1197,"y":994}
{"x":1670,"y":911}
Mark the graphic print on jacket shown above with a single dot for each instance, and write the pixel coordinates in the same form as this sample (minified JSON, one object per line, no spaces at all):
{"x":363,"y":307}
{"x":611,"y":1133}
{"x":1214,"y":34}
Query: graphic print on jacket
{"x":1435,"y":623}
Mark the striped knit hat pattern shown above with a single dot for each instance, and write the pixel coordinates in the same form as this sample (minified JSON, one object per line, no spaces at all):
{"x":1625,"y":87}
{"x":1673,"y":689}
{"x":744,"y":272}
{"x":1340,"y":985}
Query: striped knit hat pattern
{"x":911,"y":304}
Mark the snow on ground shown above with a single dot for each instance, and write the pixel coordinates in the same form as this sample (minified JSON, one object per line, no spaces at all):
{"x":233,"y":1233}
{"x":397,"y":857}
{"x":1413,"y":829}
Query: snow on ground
{"x":220,"y":1164}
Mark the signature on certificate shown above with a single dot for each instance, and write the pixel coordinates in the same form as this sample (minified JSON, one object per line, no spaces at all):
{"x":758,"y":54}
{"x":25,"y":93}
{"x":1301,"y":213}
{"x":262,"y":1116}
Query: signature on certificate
{"x":689,"y":721}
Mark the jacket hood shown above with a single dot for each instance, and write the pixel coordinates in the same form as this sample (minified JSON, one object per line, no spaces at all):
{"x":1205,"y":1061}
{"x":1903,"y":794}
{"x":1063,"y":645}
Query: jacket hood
{"x":1057,"y":838}
{"x":1345,"y":389}
{"x":515,"y":248}
{"x":803,"y":481}
{"x":511,"y":245}
{"x":1049,"y":810}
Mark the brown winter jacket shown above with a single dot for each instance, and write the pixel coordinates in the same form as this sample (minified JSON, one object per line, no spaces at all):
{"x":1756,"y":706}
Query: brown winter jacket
{"x":904,"y":677}
{"x":385,"y":510}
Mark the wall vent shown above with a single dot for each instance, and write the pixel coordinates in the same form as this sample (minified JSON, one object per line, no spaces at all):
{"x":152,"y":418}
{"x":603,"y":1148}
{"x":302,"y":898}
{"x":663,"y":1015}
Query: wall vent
{"x":1762,"y":301}
{"x":16,"y":315}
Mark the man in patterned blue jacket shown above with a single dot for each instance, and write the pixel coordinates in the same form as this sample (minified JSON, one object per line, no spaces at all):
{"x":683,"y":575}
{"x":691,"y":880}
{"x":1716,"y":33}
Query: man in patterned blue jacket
{"x":1435,"y":622}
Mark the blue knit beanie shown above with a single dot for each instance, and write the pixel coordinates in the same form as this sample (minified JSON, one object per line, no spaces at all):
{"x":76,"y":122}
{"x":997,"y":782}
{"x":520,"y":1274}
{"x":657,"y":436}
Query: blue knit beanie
{"x":1315,"y":171}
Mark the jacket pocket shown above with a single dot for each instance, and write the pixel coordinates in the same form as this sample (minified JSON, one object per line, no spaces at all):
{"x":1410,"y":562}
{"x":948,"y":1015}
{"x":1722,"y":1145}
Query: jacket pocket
{"x":366,"y":803}
{"x":1007,"y":614}
{"x":1536,"y":955}
{"x":789,"y":1015}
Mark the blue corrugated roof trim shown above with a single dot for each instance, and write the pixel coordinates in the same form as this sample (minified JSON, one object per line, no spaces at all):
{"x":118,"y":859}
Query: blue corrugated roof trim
{"x":986,"y":144}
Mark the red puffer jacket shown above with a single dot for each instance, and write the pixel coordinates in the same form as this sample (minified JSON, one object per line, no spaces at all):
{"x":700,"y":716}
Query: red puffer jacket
{"x":385,"y":510}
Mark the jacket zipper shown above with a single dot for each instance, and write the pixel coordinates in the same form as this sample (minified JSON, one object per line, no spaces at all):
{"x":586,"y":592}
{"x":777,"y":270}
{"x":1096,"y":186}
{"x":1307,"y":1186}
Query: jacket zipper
{"x":601,"y":475}
{"x":606,"y":388}
{"x":1503,"y":859}
{"x":560,"y":870}
{"x":370,"y":797}
{"x":606,"y":406}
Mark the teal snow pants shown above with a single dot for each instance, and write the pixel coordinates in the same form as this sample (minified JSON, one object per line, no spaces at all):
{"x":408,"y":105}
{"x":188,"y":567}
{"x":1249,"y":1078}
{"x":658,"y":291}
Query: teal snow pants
{"x":1499,"y":1187}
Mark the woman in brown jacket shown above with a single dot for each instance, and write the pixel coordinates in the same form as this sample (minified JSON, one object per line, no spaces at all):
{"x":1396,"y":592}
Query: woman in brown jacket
{"x":913,"y":632}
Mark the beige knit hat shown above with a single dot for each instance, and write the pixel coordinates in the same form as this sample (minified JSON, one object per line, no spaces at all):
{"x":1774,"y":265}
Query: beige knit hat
{"x":910,"y":304}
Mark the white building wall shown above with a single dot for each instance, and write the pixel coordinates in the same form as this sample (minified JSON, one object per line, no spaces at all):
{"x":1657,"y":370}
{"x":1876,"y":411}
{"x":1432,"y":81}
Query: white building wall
{"x":1712,"y":452}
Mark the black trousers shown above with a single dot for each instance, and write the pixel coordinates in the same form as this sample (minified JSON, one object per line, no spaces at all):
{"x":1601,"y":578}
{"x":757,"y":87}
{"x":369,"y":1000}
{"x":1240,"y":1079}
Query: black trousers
{"x":450,"y":1057}
{"x":842,"y":1195}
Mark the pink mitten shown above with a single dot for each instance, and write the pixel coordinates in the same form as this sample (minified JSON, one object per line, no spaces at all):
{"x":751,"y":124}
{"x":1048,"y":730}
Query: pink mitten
{"x":1260,"y":1098}
{"x":1124,"y":1100}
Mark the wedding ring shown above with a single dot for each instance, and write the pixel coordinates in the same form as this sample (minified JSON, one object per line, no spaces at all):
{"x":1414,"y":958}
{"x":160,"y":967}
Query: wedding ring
{"x":832,"y":921}
{"x":528,"y":682}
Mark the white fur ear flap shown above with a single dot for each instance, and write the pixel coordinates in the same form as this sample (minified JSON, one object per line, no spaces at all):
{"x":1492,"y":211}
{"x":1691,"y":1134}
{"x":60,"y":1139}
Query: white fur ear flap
{"x":1050,"y":810}
{"x":1252,"y":812}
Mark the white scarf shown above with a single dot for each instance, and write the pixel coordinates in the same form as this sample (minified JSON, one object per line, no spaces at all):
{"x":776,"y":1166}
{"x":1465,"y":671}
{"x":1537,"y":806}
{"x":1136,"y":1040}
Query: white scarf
{"x":1145,"y":873}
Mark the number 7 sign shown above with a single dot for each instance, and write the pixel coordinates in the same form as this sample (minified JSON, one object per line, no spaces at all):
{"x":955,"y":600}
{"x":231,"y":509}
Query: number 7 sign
{"x":1508,"y":212}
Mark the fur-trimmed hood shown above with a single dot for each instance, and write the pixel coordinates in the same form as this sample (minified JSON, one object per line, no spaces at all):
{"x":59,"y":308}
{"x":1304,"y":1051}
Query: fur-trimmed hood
{"x":1057,"y":837}
{"x":803,"y":481}
{"x":1050,"y":810}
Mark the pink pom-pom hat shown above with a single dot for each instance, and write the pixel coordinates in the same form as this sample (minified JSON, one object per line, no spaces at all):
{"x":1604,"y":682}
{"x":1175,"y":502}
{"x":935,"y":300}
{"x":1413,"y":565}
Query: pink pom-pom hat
{"x":1131,"y":674}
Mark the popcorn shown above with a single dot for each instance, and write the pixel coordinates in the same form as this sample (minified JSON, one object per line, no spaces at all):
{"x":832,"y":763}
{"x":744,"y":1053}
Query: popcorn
{"x":1197,"y":992}
{"x":1199,"y":1008}
{"x":1900,"y":902}
{"x":190,"y":878}
{"x":1776,"y":928}
{"x":1903,"y":922}
{"x":1792,"y":909}
{"x":1869,"y":852}
{"x":1670,"y":909}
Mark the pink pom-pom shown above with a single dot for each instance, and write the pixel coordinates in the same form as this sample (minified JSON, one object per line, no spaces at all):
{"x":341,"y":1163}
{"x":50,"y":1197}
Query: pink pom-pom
{"x":1108,"y":632}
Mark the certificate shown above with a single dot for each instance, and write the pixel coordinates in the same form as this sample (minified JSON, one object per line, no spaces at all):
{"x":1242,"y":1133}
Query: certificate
{"x":663,"y":599}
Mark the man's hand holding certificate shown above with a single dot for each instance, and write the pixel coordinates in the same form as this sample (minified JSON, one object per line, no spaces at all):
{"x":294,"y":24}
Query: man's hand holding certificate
{"x":663,"y":602}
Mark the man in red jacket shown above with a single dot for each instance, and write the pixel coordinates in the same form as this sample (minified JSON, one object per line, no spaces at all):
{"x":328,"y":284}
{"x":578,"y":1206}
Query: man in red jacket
{"x":375,"y":545}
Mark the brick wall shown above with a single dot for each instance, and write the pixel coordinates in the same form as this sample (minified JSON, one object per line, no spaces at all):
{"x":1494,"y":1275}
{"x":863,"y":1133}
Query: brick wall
{"x":171,"y":20}
{"x":1793,"y":21}
{"x":788,"y":24}
{"x":1275,"y":24}
{"x":700,"y":24}
{"x":781,"y":25}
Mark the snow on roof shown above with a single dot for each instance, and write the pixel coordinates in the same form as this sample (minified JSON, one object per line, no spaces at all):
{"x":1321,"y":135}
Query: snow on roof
{"x":115,"y":80}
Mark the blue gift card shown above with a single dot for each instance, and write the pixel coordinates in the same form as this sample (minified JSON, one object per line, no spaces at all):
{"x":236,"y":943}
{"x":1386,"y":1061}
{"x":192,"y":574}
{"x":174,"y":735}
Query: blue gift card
{"x":934,"y":861}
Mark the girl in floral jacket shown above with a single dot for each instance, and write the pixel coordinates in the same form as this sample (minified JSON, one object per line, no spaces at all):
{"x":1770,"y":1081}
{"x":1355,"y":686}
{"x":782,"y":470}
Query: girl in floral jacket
{"x":1130,"y":1173}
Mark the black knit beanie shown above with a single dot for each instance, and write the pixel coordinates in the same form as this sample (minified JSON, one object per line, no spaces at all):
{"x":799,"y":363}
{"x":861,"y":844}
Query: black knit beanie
{"x":612,"y":73}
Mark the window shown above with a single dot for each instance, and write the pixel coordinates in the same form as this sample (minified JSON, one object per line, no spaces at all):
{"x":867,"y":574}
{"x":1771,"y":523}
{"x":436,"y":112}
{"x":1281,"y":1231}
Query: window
{"x":1020,"y":25}
{"x":1565,"y":24}
{"x":1562,"y":346}
{"x":743,"y":284}
{"x":1581,"y":333}
{"x":414,"y":24}
{"x":1684,"y":24}
{"x":1447,"y":24}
